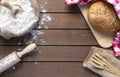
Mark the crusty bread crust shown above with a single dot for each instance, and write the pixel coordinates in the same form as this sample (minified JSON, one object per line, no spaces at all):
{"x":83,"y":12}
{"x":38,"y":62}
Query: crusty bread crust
{"x":102,"y":16}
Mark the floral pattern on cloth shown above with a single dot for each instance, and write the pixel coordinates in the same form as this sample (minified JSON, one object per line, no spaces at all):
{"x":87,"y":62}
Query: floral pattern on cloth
{"x":82,"y":2}
{"x":116,"y":5}
{"x":116,"y":44}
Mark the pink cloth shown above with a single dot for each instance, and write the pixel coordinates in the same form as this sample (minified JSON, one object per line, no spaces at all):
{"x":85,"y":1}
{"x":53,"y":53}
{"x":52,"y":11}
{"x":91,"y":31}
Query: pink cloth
{"x":116,"y":44}
{"x":116,"y":4}
{"x":71,"y":2}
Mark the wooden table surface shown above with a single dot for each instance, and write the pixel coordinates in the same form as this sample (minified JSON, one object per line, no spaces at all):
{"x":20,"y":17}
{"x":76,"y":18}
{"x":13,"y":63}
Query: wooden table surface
{"x":63,"y":40}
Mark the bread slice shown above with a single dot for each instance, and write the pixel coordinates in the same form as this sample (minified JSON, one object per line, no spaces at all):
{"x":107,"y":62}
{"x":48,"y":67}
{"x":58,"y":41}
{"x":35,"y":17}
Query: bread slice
{"x":23,"y":22}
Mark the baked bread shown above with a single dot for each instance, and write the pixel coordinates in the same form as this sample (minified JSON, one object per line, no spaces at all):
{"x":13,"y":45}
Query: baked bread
{"x":18,"y":17}
{"x":102,"y":17}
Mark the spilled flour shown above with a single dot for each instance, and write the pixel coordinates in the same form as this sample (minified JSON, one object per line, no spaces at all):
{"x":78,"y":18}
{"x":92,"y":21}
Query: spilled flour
{"x":45,"y":18}
{"x":37,"y":34}
{"x":36,"y":63}
{"x":43,"y":5}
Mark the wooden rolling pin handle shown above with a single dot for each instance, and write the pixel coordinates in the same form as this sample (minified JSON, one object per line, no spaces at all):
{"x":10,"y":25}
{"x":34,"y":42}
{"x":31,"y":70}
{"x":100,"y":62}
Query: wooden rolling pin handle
{"x":26,"y":50}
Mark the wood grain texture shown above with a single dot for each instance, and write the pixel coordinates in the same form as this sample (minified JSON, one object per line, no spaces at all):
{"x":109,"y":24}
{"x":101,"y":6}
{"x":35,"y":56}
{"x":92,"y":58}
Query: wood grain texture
{"x":50,"y":53}
{"x":63,"y":44}
{"x":57,"y":6}
{"x":65,"y":21}
{"x":54,"y":37}
{"x":50,"y":69}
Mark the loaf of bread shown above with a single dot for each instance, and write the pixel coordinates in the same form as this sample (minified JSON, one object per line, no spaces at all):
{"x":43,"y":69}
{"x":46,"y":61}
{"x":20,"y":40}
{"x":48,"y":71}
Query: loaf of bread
{"x":103,"y":17}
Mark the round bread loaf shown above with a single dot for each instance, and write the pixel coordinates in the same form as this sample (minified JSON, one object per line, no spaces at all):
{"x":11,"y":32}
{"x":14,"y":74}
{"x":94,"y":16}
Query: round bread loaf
{"x":102,"y":17}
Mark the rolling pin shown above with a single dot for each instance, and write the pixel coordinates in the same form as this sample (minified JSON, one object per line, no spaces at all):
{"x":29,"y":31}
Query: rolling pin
{"x":14,"y":57}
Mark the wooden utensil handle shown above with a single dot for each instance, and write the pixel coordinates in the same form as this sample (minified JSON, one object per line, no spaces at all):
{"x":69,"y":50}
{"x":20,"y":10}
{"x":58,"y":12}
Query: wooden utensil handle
{"x":13,"y":7}
{"x":6,"y":4}
{"x":26,"y":50}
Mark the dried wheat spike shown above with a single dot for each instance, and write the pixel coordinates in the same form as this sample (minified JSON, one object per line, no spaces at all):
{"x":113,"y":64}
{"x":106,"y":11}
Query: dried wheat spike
{"x":101,"y":63}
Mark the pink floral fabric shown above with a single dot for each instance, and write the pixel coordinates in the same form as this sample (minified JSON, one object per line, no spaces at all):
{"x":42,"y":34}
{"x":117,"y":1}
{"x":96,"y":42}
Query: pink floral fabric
{"x":71,"y":2}
{"x":116,"y":44}
{"x":116,"y":4}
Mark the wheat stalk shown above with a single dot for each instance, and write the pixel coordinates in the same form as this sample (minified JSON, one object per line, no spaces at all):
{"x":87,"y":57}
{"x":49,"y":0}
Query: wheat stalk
{"x":101,"y":63}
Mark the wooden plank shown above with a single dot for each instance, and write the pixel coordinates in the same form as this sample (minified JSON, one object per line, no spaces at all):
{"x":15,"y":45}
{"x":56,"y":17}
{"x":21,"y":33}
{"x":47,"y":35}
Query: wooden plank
{"x":50,"y":69}
{"x":54,"y":37}
{"x":56,"y":6}
{"x":62,"y":21}
{"x":50,"y":53}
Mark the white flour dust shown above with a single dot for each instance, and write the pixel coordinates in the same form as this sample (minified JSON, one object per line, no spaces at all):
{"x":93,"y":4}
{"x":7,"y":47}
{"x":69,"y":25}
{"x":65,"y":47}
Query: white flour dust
{"x":19,"y":43}
{"x":45,"y":18}
{"x":35,"y":34}
{"x":43,"y":4}
{"x":19,"y":49}
{"x":13,"y":67}
{"x":40,"y":52}
{"x":36,"y":63}
{"x":42,"y":24}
